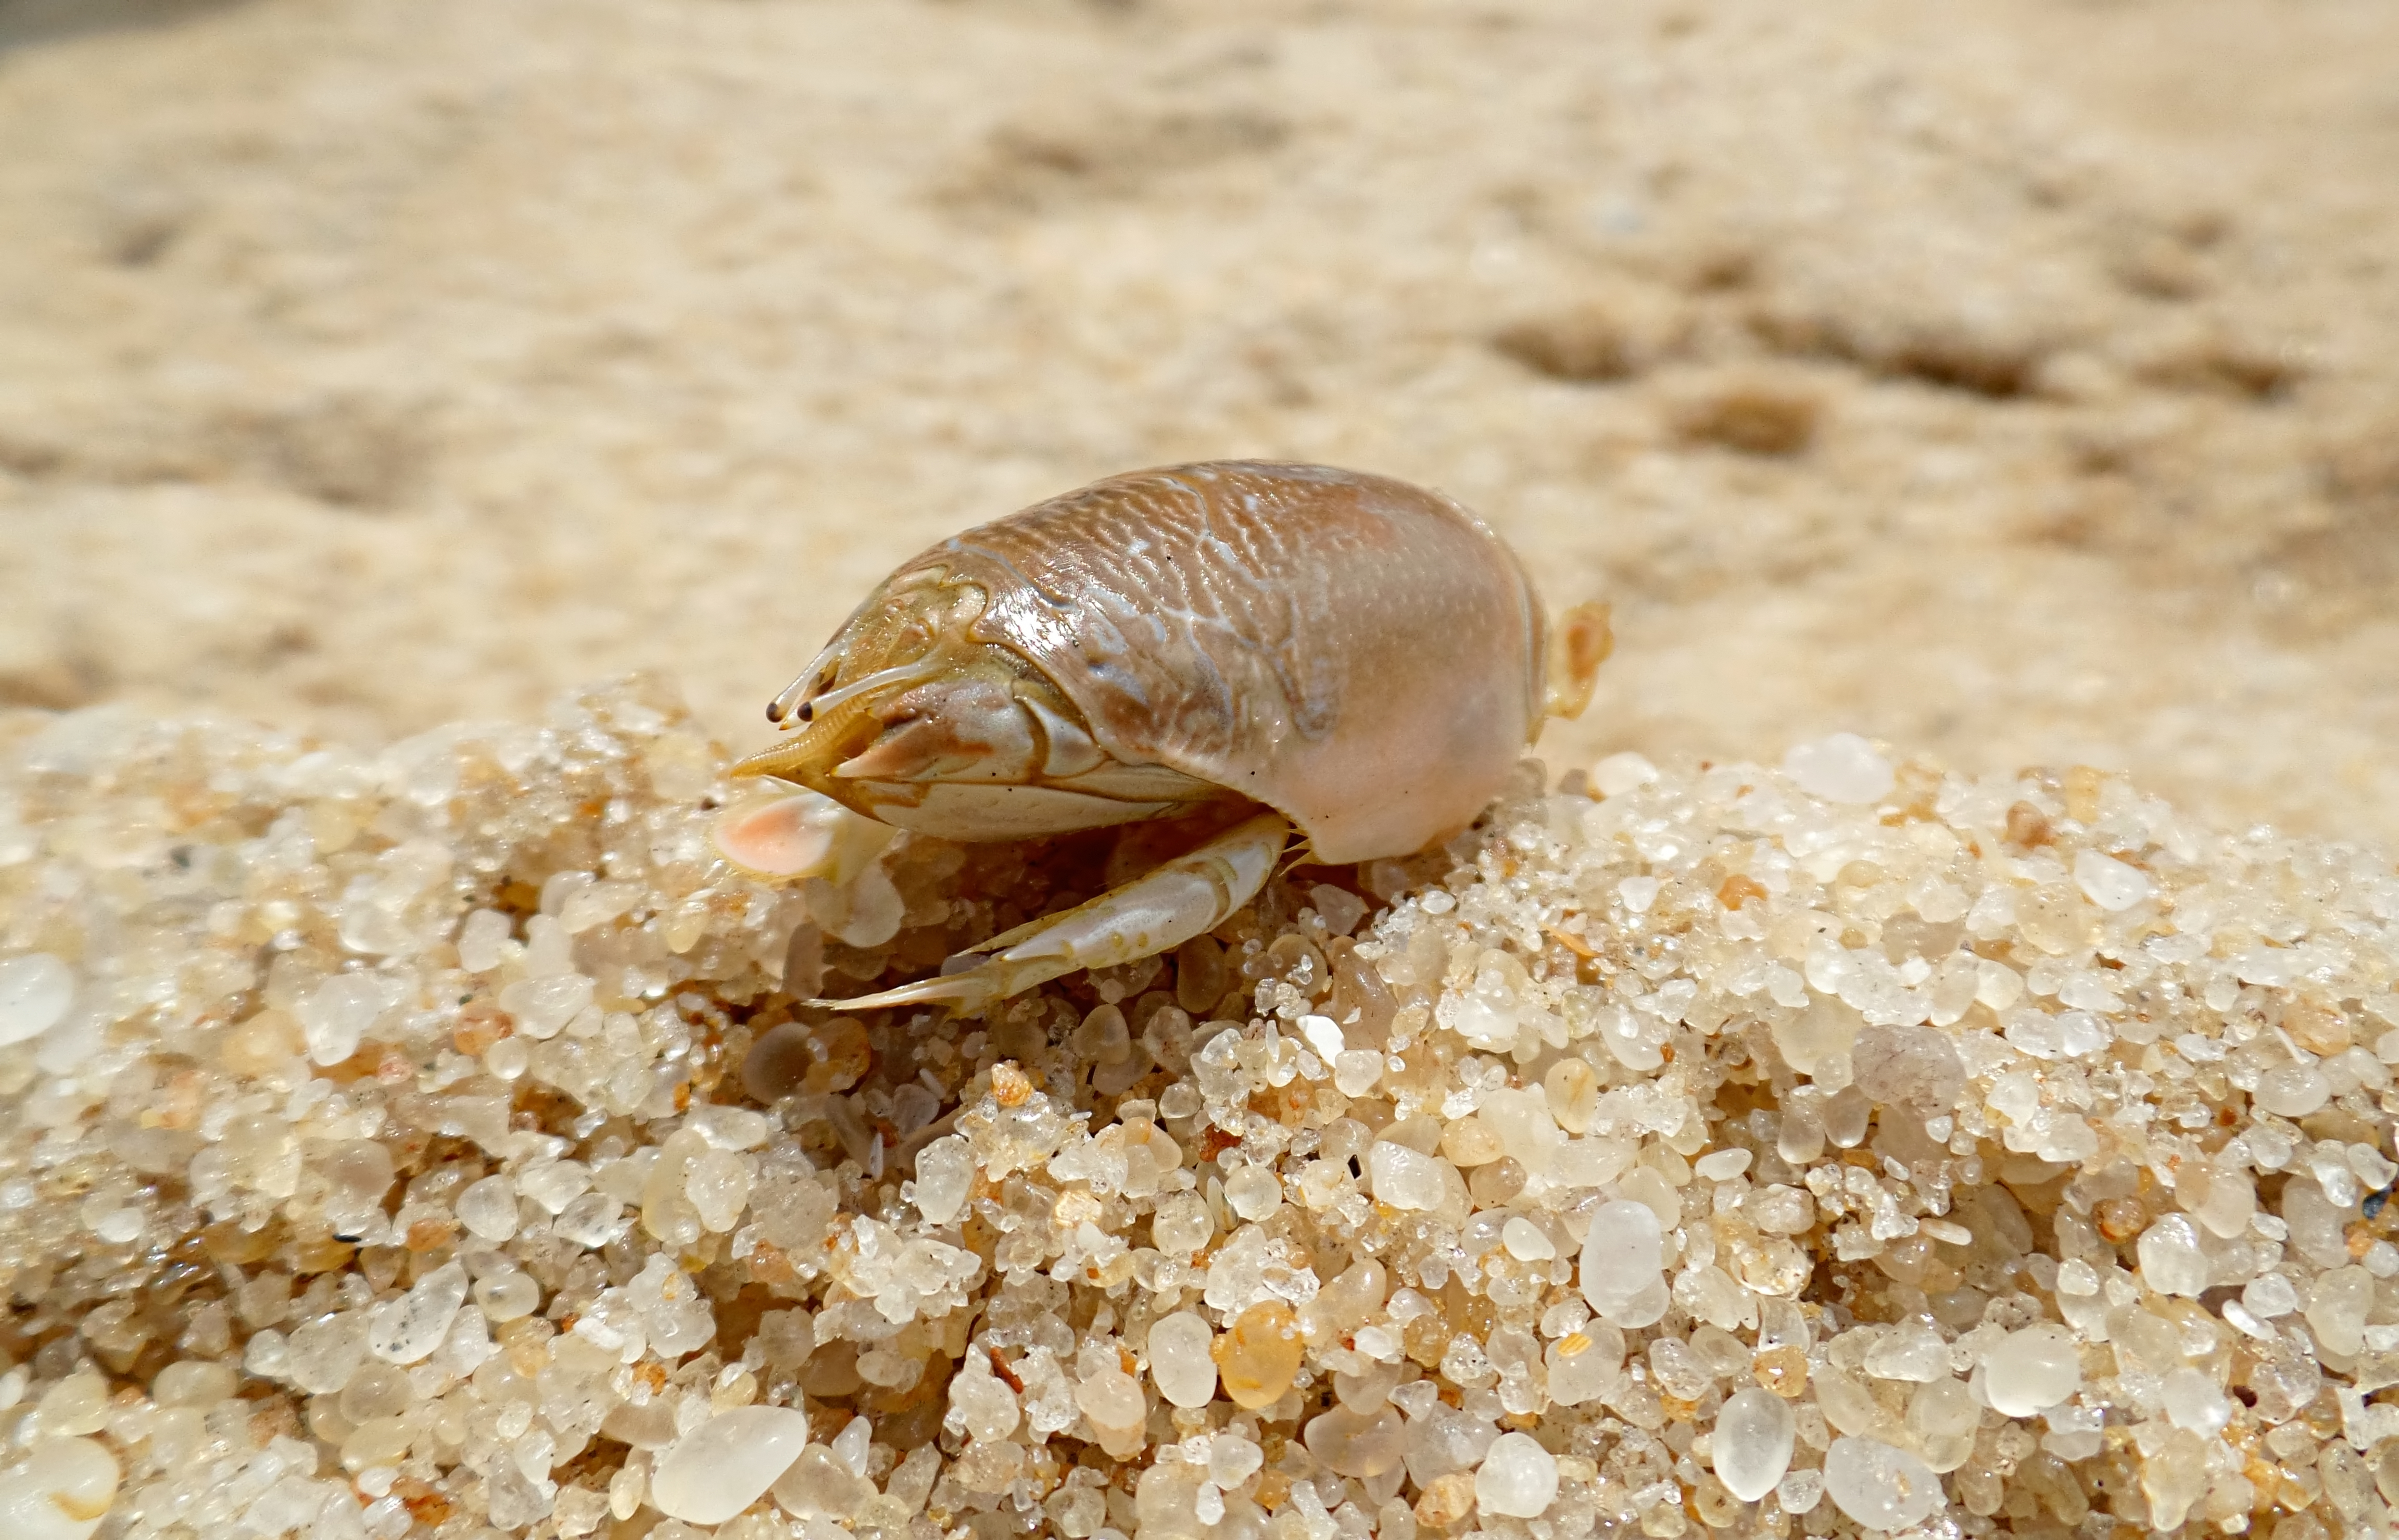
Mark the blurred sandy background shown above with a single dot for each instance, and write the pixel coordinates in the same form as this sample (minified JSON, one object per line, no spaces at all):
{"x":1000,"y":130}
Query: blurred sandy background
{"x":2018,"y":382}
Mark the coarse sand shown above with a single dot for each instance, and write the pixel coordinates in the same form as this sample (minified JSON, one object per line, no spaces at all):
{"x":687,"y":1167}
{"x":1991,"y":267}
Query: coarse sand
{"x":446,"y":1145}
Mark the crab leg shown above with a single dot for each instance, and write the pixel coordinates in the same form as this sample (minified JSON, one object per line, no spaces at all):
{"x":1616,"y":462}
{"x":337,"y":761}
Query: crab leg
{"x":1152,"y":913}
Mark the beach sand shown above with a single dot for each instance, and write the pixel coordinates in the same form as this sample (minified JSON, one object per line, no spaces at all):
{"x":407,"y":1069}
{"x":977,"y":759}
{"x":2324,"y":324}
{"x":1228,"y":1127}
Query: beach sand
{"x":410,"y":1127}
{"x":447,"y":1145}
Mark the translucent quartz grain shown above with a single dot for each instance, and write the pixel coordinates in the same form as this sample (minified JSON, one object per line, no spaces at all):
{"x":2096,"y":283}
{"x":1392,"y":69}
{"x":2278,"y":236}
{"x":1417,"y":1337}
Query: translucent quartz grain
{"x":1355,"y":1070}
{"x":984,"y":1406}
{"x":2032,"y":1369}
{"x":1942,"y":1416}
{"x":1180,"y":1363}
{"x":1259,"y":1353}
{"x":541,"y":1008}
{"x":1111,"y":1398}
{"x":2338,"y":1306}
{"x":946,"y":1171}
{"x":2109,"y":883}
{"x":1470,"y":1141}
{"x":193,"y":1382}
{"x":1406,"y":1178}
{"x":1253,"y":1193}
{"x":727,"y":1463}
{"x":1906,"y":1066}
{"x":1842,"y":768}
{"x":2171,"y":1259}
{"x":358,"y":1173}
{"x":36,"y":990}
{"x":334,"y":1017}
{"x":488,"y":1209}
{"x":1323,"y":1034}
{"x":2292,"y":1089}
{"x":717,"y":1183}
{"x":1527,"y":1241}
{"x":2223,"y":1198}
{"x":1368,"y":1392}
{"x":1620,"y":774}
{"x":376,"y":1390}
{"x":1232,"y":1461}
{"x":1345,"y":1302}
{"x":408,"y":1328}
{"x":1517,"y":1476}
{"x":382,"y":1441}
{"x":1572,"y":1088}
{"x":592,"y":1220}
{"x":2268,"y":1295}
{"x":1622,"y":1258}
{"x":1800,"y":1490}
{"x":1753,"y":1441}
{"x":1816,"y":1039}
{"x":62,"y":1491}
{"x":1354,"y":1443}
{"x":1527,"y":1134}
{"x":506,"y":1296}
{"x":1879,"y":1486}
{"x":1181,"y":1224}
{"x":2193,"y":1400}
{"x":1721,"y":1165}
{"x":480,"y":937}
{"x":1200,"y":974}
{"x":77,"y":1404}
{"x":554,"y":1184}
{"x":820,"y":1484}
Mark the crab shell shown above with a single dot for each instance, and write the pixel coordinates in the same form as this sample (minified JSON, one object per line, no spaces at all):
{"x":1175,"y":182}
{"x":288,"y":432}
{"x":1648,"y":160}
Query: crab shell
{"x":1361,"y":656}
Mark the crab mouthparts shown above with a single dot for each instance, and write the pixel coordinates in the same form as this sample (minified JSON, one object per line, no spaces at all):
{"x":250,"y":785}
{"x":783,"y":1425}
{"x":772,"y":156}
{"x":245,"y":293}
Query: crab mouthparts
{"x":783,"y":762}
{"x":830,"y":736}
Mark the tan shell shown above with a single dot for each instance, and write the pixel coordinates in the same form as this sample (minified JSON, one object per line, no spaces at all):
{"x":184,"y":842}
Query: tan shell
{"x":1358,"y":654}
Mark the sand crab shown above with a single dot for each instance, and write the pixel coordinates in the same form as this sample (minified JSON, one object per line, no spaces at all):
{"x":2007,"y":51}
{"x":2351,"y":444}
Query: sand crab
{"x":1345,"y":653}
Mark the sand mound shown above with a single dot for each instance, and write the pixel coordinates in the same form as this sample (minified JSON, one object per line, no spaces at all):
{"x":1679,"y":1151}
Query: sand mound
{"x":425,"y":1143}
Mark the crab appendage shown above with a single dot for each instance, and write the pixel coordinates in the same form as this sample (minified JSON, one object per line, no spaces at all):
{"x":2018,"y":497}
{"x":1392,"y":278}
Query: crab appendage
{"x":1155,"y":912}
{"x":1580,"y":641}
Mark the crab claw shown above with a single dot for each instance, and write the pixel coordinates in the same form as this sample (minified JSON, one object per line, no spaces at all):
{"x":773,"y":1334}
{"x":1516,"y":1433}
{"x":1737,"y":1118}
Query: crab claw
{"x":799,"y":835}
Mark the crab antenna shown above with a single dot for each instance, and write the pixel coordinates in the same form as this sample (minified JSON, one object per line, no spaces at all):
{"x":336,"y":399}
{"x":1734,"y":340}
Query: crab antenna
{"x":905,"y":673}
